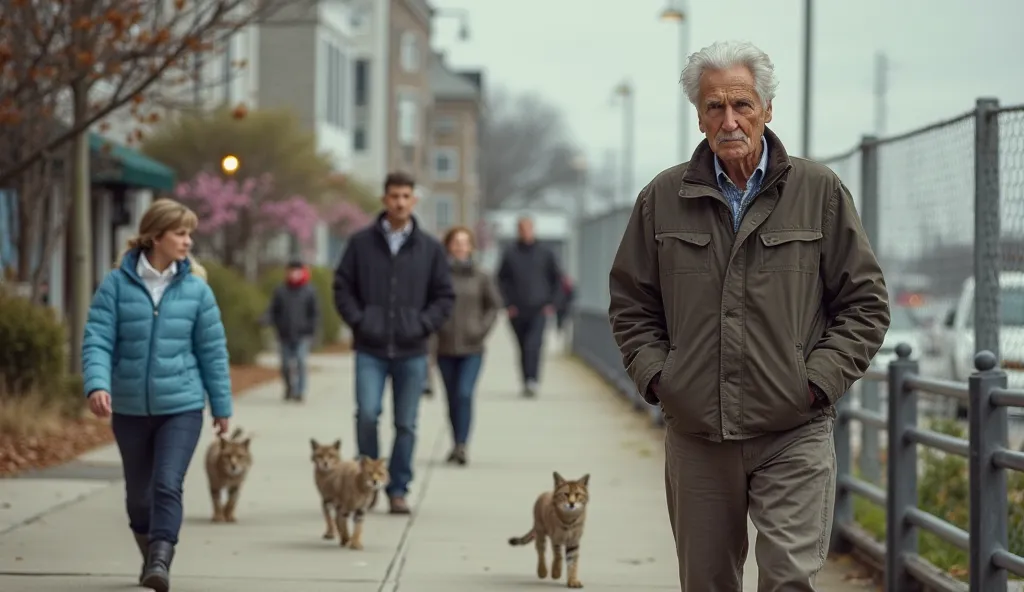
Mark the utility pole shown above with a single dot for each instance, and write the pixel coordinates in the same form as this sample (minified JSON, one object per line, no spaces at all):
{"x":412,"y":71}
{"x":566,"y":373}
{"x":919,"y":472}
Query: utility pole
{"x":808,"y":25}
{"x":881,"y":92}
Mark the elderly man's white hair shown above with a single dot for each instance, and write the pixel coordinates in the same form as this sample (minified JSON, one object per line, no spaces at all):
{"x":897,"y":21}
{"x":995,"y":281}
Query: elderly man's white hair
{"x":723,"y":55}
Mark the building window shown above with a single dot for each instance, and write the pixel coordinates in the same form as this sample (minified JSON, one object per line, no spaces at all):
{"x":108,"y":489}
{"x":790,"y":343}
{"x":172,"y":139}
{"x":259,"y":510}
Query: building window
{"x":359,"y":142}
{"x":410,"y":52}
{"x":446,"y":164}
{"x":444,"y":212}
{"x":408,"y":119}
{"x":335,"y":82}
{"x":444,"y":125}
{"x":362,"y":82}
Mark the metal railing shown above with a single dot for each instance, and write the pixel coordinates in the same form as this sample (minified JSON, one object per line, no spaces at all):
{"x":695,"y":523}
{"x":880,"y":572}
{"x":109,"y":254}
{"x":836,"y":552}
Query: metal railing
{"x":989,"y":457}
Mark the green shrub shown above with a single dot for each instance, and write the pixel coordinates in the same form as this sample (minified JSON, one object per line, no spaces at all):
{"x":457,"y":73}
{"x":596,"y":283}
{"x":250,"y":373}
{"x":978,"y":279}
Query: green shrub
{"x":32,"y":348}
{"x":322,"y":279}
{"x":944,"y":490}
{"x":241,"y":306}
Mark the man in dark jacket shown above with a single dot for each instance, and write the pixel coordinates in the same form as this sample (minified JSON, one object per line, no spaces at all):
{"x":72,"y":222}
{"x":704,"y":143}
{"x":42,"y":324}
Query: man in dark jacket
{"x":295,"y":314}
{"x":530,"y":282}
{"x":394,"y":290}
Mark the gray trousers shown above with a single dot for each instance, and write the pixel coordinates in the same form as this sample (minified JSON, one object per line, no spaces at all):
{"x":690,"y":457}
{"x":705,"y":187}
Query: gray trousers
{"x":785,"y":481}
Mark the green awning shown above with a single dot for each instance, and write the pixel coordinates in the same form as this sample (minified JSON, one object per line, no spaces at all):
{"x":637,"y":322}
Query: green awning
{"x":125,"y":166}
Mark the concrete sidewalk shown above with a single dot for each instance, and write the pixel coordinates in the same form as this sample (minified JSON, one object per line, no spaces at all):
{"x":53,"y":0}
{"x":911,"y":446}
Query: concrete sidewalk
{"x":77,"y":536}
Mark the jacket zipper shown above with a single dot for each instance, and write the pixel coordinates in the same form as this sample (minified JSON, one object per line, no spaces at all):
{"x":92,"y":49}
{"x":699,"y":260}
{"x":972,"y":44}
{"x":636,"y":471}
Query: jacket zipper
{"x":152,"y":333}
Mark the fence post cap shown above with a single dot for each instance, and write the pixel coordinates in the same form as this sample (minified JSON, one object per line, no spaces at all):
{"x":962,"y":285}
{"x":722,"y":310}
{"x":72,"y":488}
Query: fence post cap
{"x":985,"y":361}
{"x":903,"y":351}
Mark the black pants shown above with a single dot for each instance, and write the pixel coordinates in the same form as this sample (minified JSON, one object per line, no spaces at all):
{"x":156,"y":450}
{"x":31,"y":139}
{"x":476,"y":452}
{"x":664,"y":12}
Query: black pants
{"x":529,"y":329}
{"x":156,"y":451}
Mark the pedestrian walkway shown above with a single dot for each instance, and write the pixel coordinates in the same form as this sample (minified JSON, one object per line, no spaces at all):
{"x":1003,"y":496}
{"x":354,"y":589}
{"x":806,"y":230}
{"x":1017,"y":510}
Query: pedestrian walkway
{"x":455,"y":541}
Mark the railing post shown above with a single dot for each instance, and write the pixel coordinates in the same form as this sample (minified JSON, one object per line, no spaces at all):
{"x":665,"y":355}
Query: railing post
{"x":986,"y":227}
{"x":900,"y":535}
{"x":870,"y":455}
{"x":843,"y":511}
{"x":989,"y":510}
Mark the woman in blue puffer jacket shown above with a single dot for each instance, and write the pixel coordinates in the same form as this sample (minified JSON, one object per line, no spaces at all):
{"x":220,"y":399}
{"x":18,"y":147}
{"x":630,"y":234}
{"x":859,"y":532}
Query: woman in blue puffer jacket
{"x":154,"y":349}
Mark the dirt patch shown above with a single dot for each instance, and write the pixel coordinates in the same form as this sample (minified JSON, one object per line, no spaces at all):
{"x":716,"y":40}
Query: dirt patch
{"x":36,"y":436}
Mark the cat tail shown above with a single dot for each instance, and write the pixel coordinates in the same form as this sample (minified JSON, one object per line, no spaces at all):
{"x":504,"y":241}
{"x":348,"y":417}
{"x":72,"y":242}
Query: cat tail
{"x":525,"y":539}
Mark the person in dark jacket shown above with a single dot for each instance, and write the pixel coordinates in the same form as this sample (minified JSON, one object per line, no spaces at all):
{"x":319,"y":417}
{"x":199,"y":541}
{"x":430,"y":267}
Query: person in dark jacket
{"x":153,"y":354}
{"x":295,"y":314}
{"x":394,"y":290}
{"x":460,"y":342}
{"x":530,"y":281}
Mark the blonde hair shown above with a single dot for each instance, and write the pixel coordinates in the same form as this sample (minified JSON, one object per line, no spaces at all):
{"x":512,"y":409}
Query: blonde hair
{"x":164,"y":215}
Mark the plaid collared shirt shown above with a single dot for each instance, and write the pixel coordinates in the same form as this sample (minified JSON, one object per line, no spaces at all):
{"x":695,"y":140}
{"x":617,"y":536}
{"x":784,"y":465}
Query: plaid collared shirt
{"x":396,"y":238}
{"x":739,"y":199}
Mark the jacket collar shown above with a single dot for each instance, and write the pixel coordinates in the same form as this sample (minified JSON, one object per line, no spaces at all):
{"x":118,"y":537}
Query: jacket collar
{"x":413,"y":229}
{"x":130,"y":263}
{"x":700,"y":171}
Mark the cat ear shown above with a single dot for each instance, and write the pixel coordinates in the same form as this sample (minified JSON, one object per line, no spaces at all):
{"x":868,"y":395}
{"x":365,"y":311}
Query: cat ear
{"x":313,"y":443}
{"x":585,"y":480}
{"x":337,"y":444}
{"x":559,"y":480}
{"x":245,"y":443}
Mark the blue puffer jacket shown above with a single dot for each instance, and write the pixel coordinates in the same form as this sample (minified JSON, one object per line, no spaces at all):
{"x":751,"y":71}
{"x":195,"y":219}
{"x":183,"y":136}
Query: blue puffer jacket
{"x":156,"y":360}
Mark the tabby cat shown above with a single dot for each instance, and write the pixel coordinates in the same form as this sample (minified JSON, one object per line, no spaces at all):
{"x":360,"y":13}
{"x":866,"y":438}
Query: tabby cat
{"x":559,"y":515}
{"x":228,"y":461}
{"x":351,"y":489}
{"x":326,"y":458}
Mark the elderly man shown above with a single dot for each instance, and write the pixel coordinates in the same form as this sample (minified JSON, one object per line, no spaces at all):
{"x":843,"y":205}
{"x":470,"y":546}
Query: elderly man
{"x":745,"y":300}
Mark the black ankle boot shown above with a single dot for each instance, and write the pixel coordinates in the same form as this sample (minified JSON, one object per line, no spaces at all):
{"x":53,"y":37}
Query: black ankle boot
{"x":143,"y":542}
{"x":157,"y":575}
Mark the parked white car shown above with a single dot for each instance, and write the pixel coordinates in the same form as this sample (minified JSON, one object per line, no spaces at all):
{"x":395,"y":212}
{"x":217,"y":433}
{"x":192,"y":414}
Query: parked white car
{"x":903,"y":328}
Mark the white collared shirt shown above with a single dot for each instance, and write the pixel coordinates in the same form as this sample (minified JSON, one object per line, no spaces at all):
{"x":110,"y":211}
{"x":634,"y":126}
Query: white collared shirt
{"x":396,"y":238}
{"x":156,"y":282}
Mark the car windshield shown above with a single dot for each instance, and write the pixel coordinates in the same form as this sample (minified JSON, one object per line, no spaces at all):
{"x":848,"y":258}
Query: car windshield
{"x":901,"y":319}
{"x":1012,"y":307}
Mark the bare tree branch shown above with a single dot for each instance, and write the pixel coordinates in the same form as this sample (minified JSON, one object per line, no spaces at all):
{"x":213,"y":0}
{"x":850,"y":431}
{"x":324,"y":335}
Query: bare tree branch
{"x":117,"y":49}
{"x":526,"y":149}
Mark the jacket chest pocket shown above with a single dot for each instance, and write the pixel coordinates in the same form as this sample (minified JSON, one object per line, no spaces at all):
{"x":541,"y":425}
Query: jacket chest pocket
{"x":684,"y":252}
{"x":790,"y":250}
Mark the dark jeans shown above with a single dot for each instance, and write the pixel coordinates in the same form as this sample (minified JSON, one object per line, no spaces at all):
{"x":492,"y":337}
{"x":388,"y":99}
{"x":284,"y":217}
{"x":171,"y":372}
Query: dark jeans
{"x":293,"y":366}
{"x":407,"y":376}
{"x":459,"y":374}
{"x":155,"y":452}
{"x":529,"y":330}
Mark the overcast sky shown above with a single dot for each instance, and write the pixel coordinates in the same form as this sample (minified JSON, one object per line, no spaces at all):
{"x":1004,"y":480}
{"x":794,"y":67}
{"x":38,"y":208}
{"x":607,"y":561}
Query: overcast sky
{"x":943,"y":54}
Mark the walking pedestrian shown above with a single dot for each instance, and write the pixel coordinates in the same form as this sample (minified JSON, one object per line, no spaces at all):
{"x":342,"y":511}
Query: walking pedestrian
{"x":460,"y":342}
{"x":154,"y":349}
{"x":530,"y":281}
{"x":295,"y":315}
{"x":746,"y":300}
{"x":394,"y":290}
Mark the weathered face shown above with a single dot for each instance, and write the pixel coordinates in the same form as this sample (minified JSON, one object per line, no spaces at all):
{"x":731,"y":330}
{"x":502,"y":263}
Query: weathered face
{"x":399,"y":201}
{"x":571,"y":497}
{"x":326,"y":456}
{"x":234,"y":456}
{"x":174,"y":245}
{"x":730,"y":113}
{"x":375,"y":472}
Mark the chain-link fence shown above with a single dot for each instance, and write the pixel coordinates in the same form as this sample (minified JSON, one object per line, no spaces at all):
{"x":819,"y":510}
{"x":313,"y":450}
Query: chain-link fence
{"x":944,"y":209}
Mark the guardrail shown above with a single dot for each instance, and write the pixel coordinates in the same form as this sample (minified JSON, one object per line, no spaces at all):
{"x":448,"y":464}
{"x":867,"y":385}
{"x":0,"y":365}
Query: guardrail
{"x":988,"y":454}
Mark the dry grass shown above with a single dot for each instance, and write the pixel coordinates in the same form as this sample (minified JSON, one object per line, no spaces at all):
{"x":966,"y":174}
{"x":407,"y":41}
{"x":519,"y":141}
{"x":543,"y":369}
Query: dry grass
{"x":31,"y":416}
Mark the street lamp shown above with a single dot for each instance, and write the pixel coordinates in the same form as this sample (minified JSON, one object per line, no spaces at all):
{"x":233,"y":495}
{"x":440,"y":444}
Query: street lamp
{"x":229,"y":164}
{"x":624,"y":90}
{"x":460,"y":13}
{"x":675,"y":13}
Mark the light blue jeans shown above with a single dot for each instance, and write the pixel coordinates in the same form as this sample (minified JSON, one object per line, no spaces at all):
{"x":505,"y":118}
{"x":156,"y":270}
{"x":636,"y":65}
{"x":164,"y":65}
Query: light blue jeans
{"x":293,"y":367}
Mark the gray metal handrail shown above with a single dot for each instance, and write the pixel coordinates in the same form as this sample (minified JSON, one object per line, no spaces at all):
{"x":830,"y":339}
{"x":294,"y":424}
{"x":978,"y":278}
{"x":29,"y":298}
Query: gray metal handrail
{"x":989,"y":457}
